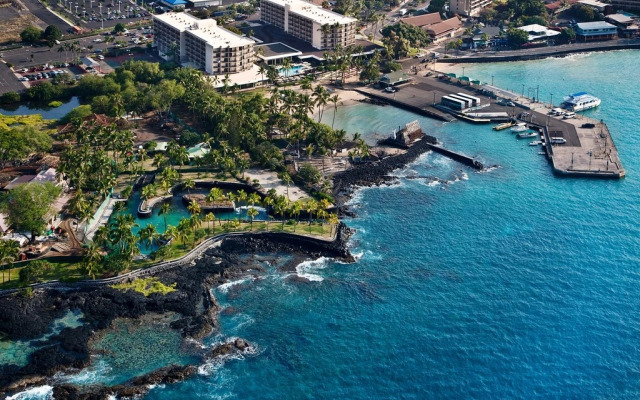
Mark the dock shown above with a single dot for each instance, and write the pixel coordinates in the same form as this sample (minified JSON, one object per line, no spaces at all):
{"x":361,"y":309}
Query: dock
{"x":461,"y":158}
{"x":589,"y":150}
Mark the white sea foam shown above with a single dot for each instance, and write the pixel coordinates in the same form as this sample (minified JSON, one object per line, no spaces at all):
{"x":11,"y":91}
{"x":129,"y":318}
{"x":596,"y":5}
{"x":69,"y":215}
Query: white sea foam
{"x":37,"y":393}
{"x":224,"y":288}
{"x":212,"y":366}
{"x":434,"y":183}
{"x":305,"y":269}
{"x":96,"y":373}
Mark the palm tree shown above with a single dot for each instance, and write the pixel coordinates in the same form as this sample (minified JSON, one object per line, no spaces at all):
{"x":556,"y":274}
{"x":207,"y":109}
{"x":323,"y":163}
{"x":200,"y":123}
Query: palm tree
{"x":189,"y":184}
{"x":334,"y":222}
{"x":147,"y":235}
{"x":209,"y":217}
{"x":214,"y":195}
{"x":195,"y":223}
{"x":295,"y":209}
{"x":182,"y":231}
{"x":101,"y":237}
{"x":242,"y":195}
{"x":310,"y":207}
{"x":9,"y":250}
{"x":165,"y":208}
{"x":252,"y":212}
{"x":149,"y":192}
{"x":268,"y":202}
{"x":335,"y":99}
{"x":321,"y":96}
{"x":262,"y":70}
{"x":253,"y":199}
{"x":194,"y":207}
{"x":92,"y":259}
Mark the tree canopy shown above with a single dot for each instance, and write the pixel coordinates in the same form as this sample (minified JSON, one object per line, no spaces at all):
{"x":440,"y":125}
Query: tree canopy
{"x":31,"y":34}
{"x":28,"y":205}
{"x":400,"y":37}
{"x":52,"y":33}
{"x":517,"y":37}
{"x":16,"y":143}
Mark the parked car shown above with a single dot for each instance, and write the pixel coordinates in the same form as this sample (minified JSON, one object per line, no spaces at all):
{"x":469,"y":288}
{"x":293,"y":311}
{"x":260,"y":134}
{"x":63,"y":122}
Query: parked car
{"x":390,"y":89}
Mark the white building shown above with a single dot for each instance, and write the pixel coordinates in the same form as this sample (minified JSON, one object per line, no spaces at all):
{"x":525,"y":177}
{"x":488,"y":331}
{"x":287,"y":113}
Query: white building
{"x":202,"y":44}
{"x":538,"y":32}
{"x":468,"y":8}
{"x":323,"y":29}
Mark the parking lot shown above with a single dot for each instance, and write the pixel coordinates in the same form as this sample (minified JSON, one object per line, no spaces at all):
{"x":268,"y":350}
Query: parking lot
{"x":94,"y":14}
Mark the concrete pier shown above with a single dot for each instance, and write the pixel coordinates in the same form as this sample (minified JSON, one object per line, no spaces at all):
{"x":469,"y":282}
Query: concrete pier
{"x":589,"y":150}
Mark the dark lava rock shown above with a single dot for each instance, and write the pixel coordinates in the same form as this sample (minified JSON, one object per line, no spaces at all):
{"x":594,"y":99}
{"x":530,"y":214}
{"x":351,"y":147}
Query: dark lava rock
{"x":235,"y":346}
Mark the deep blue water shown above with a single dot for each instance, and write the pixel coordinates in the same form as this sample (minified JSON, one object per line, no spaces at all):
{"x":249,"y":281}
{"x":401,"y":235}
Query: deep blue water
{"x":510,"y":283}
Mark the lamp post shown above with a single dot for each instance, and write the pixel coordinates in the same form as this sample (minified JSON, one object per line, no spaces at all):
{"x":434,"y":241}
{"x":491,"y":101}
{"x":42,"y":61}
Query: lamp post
{"x":119,"y":2}
{"x":491,"y":80}
{"x":463,"y":71}
{"x":76,"y":8}
{"x":101,"y":18}
{"x":523,"y":90}
{"x":551,"y":99}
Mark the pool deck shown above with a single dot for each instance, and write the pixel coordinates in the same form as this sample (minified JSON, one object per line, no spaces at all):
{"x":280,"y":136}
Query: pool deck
{"x":588,"y":152}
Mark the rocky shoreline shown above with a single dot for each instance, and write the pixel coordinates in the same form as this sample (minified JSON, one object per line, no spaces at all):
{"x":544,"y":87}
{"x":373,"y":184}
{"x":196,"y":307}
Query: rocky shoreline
{"x":30,"y":318}
{"x":376,"y":173}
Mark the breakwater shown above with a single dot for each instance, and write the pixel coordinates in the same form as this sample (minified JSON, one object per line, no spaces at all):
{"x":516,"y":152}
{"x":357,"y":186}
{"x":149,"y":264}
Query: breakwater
{"x":461,"y":158}
{"x":541,"y":53}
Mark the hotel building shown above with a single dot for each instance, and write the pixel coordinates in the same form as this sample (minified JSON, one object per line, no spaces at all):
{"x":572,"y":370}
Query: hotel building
{"x":468,"y":8}
{"x":202,"y":44}
{"x":323,"y":29}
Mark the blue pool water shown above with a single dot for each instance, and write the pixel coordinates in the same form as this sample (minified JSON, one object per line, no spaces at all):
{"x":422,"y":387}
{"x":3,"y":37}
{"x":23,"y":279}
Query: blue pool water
{"x":291,"y":71}
{"x":510,"y":283}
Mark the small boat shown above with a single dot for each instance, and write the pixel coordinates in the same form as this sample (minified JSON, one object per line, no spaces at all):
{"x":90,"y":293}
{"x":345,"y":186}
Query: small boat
{"x":523,"y":135}
{"x":503,"y":126}
{"x":519,"y":127}
{"x":542,"y":153}
{"x":580,"y":102}
{"x":535,"y":143}
{"x":558,"y":140}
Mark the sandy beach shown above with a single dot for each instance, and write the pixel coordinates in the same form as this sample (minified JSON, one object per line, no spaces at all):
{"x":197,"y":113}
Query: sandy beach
{"x":270,"y":180}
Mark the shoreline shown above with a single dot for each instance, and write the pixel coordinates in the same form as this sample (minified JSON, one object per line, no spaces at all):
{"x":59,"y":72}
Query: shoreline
{"x":30,"y":318}
{"x":550,"y":52}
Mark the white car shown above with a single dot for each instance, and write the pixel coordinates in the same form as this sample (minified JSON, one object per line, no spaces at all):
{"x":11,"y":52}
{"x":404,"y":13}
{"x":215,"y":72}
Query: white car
{"x":98,"y":40}
{"x":100,"y":57}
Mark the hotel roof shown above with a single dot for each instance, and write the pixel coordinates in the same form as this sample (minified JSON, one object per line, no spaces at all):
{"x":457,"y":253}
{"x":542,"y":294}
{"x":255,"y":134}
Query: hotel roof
{"x":595,"y":25}
{"x":314,"y":12}
{"x":205,"y":29}
{"x":422,"y":20}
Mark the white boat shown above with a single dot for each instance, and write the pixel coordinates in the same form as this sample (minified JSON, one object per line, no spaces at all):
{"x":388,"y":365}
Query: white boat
{"x":535,"y":143}
{"x":581,"y":101}
{"x":519,"y":127}
{"x":524,"y":135}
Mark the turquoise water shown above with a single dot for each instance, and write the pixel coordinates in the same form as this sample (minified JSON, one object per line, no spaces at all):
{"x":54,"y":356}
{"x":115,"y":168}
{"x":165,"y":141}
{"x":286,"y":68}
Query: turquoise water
{"x":179,"y":211}
{"x":291,"y":71}
{"x":46,"y":112}
{"x":18,"y":351}
{"x":510,"y":283}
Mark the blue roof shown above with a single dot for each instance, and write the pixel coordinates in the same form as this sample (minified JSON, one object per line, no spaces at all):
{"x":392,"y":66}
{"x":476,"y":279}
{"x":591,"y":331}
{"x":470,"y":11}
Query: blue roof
{"x":175,"y":2}
{"x":595,"y":25}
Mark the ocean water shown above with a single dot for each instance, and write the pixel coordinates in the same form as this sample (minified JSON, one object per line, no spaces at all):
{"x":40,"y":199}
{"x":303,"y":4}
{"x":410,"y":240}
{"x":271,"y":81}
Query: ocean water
{"x":510,"y":283}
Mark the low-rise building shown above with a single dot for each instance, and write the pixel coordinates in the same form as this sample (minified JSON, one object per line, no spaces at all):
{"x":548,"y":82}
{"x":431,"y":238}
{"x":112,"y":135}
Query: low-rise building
{"x":627,"y":26}
{"x":539,"y":33}
{"x":202,"y":44}
{"x":423,"y":20}
{"x":394,"y":78}
{"x":626,"y":4}
{"x":592,"y":31}
{"x":468,"y":8}
{"x":444,"y":29}
{"x":323,"y":29}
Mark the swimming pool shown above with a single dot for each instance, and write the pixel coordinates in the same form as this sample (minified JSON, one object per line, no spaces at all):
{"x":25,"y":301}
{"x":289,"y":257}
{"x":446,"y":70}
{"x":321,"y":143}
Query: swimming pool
{"x":291,"y":71}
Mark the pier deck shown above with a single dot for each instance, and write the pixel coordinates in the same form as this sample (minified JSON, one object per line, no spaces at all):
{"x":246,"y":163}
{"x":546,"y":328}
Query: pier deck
{"x":588,"y":152}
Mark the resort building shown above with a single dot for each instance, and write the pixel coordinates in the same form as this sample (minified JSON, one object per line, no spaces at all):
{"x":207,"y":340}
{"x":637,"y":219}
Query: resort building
{"x":626,"y":4}
{"x":323,"y":29}
{"x":627,"y":26}
{"x":592,"y":31}
{"x":202,"y":44}
{"x":468,"y":8}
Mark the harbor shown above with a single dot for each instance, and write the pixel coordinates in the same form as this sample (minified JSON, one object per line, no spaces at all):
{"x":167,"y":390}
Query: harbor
{"x":578,"y":146}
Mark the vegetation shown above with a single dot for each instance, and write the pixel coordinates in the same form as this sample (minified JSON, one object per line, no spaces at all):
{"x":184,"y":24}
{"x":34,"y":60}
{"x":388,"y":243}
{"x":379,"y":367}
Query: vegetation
{"x":517,"y":37}
{"x":31,"y":34}
{"x":10,"y":98}
{"x":583,"y":13}
{"x":146,"y":286}
{"x":400,"y":38}
{"x":28,"y":205}
{"x":20,"y":140}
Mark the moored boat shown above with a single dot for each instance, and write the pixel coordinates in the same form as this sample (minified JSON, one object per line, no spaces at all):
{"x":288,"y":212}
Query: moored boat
{"x":503,"y":126}
{"x":580,"y":102}
{"x":519,"y":127}
{"x":524,"y":135}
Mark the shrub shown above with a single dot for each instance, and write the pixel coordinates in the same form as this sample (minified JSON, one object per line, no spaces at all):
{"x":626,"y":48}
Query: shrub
{"x":55,"y":103}
{"x":10,"y":98}
{"x":309,"y":173}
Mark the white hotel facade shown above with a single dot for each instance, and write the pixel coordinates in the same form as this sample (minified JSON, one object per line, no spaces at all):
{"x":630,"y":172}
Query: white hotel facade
{"x":202,"y":44}
{"x":323,"y":29}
